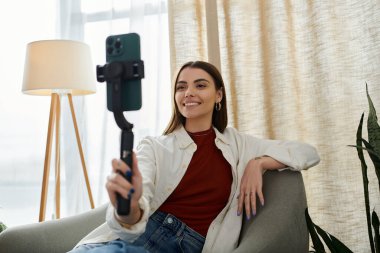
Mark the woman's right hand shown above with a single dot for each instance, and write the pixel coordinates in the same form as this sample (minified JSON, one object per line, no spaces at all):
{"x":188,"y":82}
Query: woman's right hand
{"x":116,"y":183}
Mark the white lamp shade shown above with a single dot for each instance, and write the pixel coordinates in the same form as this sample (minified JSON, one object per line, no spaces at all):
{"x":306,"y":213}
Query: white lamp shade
{"x":58,"y":66}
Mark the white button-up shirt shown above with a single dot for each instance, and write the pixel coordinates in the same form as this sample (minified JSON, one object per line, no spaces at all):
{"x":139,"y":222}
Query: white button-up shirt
{"x":163,"y":162}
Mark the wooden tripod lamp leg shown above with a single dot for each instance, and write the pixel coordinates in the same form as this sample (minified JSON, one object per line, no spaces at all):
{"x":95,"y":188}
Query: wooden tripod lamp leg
{"x":57,"y":160}
{"x":45,"y":179}
{"x":80,"y":150}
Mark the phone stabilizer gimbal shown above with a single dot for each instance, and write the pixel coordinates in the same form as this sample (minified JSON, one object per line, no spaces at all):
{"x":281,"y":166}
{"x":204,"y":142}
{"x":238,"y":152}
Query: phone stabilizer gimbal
{"x":114,"y":73}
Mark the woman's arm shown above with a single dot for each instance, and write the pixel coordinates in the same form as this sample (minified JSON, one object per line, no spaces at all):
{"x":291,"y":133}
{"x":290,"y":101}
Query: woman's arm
{"x":130,"y":227}
{"x":117,"y":184}
{"x":259,"y":155}
{"x":252,"y":183}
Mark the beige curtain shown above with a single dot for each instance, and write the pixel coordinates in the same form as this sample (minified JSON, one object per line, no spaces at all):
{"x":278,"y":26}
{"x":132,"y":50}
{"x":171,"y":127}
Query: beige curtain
{"x":296,"y":70}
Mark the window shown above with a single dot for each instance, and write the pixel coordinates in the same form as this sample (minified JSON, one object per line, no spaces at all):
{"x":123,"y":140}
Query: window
{"x":149,"y":20}
{"x":24,"y":118}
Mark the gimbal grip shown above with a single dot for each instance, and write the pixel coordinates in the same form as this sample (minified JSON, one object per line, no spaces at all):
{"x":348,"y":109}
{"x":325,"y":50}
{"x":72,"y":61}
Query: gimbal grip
{"x":126,"y":148}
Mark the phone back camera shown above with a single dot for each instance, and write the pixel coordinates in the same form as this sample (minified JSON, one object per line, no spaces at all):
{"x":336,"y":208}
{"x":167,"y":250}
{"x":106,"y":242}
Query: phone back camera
{"x":110,"y":50}
{"x":114,"y":46}
{"x":109,"y":41}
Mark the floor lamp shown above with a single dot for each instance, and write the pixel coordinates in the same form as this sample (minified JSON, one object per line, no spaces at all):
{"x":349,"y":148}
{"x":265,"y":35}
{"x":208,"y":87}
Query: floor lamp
{"x":58,"y":68}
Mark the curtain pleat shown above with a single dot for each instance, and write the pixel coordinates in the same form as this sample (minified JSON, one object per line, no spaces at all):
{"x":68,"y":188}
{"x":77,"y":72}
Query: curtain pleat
{"x":188,"y":33}
{"x":297,"y":70}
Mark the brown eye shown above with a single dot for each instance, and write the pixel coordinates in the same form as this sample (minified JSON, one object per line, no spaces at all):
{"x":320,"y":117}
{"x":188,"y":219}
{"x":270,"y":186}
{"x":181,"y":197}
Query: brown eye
{"x":180,"y":87}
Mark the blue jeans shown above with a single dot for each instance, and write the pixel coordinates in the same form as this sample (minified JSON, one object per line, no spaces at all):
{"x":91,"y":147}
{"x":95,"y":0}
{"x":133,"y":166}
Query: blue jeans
{"x":163,"y":233}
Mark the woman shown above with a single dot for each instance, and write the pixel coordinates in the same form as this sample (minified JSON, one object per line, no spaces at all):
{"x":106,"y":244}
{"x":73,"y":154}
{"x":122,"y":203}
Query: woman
{"x":191,"y":186}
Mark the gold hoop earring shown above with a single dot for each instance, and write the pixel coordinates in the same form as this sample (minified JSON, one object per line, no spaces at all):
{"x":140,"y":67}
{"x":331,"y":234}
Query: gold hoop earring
{"x":218,"y":106}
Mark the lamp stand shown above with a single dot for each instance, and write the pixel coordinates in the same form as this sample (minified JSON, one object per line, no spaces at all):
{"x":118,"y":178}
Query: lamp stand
{"x":54,"y":118}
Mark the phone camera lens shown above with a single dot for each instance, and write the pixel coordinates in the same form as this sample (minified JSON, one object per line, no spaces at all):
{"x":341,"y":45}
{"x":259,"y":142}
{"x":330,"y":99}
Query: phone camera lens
{"x":109,"y":50}
{"x":109,"y":41}
{"x":118,"y":44}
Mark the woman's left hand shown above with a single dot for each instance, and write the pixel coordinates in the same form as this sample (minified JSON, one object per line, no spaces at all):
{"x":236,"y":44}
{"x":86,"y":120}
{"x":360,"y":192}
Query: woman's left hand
{"x":251,"y":188}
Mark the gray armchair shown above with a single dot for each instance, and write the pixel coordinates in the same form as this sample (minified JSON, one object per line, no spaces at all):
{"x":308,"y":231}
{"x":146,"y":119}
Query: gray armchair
{"x":279,"y":226}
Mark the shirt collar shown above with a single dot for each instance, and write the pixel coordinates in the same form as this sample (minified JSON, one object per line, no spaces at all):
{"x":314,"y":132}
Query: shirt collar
{"x":221,"y":137}
{"x":185,"y":140}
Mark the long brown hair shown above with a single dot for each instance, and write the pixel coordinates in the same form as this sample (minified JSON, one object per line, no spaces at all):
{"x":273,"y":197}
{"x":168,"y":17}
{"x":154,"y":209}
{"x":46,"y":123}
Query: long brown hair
{"x":219,"y":118}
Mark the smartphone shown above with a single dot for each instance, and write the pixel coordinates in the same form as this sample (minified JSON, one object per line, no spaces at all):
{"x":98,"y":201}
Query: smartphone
{"x":125,"y":47}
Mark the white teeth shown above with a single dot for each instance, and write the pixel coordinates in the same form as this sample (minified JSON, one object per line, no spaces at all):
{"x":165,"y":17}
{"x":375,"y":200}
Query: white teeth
{"x":190,"y":104}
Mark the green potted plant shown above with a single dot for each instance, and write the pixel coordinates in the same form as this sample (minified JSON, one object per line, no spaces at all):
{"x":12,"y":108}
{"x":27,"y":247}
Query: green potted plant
{"x":2,"y":227}
{"x":372,"y":146}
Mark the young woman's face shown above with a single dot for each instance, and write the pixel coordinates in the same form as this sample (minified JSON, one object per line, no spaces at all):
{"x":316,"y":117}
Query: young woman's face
{"x":196,"y":95}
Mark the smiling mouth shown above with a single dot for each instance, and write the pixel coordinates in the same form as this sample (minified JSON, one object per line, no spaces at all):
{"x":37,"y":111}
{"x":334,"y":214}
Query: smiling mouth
{"x":191,"y":104}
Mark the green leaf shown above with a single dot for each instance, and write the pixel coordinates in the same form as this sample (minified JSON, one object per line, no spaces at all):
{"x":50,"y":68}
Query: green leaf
{"x":326,"y":238}
{"x":2,"y":227}
{"x":375,"y":160}
{"x":317,"y":243}
{"x":359,"y":149}
{"x":375,"y":224}
{"x":366,"y":149}
{"x":373,"y":126}
{"x":332,"y":242}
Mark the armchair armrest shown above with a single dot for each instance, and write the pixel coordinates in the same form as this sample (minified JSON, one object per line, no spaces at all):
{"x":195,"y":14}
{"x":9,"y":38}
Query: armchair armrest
{"x":51,"y":236}
{"x":279,"y":226}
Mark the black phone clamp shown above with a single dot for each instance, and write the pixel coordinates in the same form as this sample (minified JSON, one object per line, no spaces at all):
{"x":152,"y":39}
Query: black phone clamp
{"x":115,"y":73}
